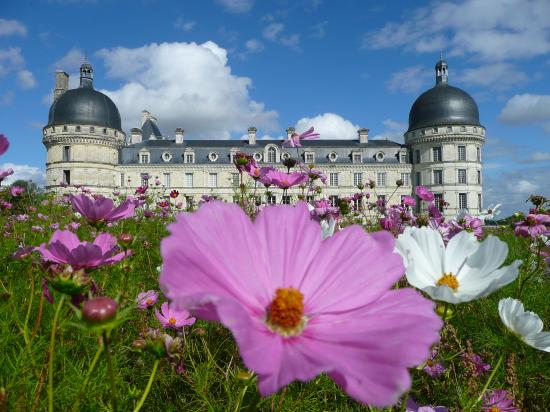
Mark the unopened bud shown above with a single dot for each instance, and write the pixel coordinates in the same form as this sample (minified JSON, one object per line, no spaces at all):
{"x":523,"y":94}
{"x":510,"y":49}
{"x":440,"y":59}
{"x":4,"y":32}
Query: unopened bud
{"x":99,"y":310}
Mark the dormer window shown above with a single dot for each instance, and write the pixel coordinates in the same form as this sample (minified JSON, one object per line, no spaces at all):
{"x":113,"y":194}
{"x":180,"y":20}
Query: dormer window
{"x":189,"y":157}
{"x":92,"y":129}
{"x":332,"y":156}
{"x":166,"y":156}
{"x":77,"y":128}
{"x":402,"y":157}
{"x":285,"y":156}
{"x":257,"y":156}
{"x":356,"y":157}
{"x":271,"y":155}
{"x":144,"y":157}
{"x":309,"y":157}
{"x":64,"y":128}
{"x":379,"y":156}
{"x":475,"y":129}
{"x":213,"y":156}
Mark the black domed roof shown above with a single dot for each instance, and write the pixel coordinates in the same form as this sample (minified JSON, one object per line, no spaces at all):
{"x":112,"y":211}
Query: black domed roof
{"x":85,"y":105}
{"x":443,"y":105}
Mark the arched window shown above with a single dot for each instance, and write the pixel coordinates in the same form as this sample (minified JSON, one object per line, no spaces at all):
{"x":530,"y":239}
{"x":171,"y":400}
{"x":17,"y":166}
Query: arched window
{"x":271,"y":155}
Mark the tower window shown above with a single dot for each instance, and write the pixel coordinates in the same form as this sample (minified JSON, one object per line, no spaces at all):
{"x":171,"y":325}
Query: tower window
{"x":449,"y":129}
{"x":479,"y":204}
{"x":478,"y":154}
{"x":67,"y":177}
{"x":92,"y":129}
{"x":438,"y":177}
{"x":417,"y":156}
{"x":104,"y":131}
{"x":77,"y":128}
{"x":64,"y":128}
{"x":462,"y":176}
{"x":435,"y":130}
{"x":463,"y":201}
{"x":438,"y":200}
{"x":405,"y":179}
{"x":479,"y":177}
{"x":402,"y":157}
{"x":66,"y":153}
{"x":437,"y":154}
{"x":462,"y":153}
{"x":462,"y":128}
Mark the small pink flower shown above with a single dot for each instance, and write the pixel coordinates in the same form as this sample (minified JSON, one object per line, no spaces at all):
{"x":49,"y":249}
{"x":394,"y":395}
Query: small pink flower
{"x":102,"y":209}
{"x":286,"y":180}
{"x":533,"y":226}
{"x":408,"y":201}
{"x":173,"y":318}
{"x":22,"y":218}
{"x":147,"y":299}
{"x":424,"y":194}
{"x":16,"y":191}
{"x":4,"y":144}
{"x":37,"y":229}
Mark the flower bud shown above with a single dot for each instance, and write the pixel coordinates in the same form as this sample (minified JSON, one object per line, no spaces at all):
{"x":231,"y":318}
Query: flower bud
{"x":360,"y":186}
{"x":289,"y":163}
{"x":99,"y":310}
{"x":125,"y":239}
{"x":399,"y":182}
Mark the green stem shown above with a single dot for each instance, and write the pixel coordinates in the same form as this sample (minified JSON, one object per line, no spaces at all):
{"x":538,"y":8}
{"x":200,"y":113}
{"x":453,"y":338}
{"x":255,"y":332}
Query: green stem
{"x":480,"y":397}
{"x":241,"y":397}
{"x":148,"y":387}
{"x":111,"y":372}
{"x":88,"y":376}
{"x":52,"y":347}
{"x":27,"y":317}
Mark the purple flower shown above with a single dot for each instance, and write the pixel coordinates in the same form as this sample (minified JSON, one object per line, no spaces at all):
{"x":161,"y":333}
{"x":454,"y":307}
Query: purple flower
{"x":102,"y":209}
{"x":533,"y":226}
{"x":147,"y":299}
{"x":498,"y":400}
{"x":65,"y":247}
{"x":173,"y":318}
{"x":22,"y":218}
{"x":433,"y":368}
{"x":323,"y":210}
{"x":408,"y":201}
{"x":4,"y":144}
{"x":16,"y":191}
{"x":311,"y":304}
{"x":424,"y":194}
{"x":412,"y":406}
{"x":474,"y":225}
{"x":286,"y":180}
{"x":295,"y":138}
{"x":475,"y":364}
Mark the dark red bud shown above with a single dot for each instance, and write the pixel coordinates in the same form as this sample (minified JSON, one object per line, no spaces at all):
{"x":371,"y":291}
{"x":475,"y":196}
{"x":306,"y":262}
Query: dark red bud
{"x":99,"y":310}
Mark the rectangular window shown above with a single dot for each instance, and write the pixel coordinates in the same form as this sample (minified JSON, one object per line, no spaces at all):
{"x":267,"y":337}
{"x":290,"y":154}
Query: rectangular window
{"x":405,"y":178}
{"x":189,"y":180}
{"x":104,"y":131}
{"x":438,"y":177}
{"x":271,"y":199}
{"x":67,"y":177}
{"x":479,"y":205}
{"x":436,"y":154}
{"x":286,"y":200}
{"x":66,"y":153}
{"x":479,"y":177}
{"x":92,"y":129}
{"x":333,"y":200}
{"x":417,"y":156}
{"x":478,"y":154}
{"x":462,"y":176}
{"x":77,"y":128}
{"x":333,"y":180}
{"x":144,"y":158}
{"x":122,"y":180}
{"x":381,"y":179}
{"x":235,"y":179}
{"x":357,"y":158}
{"x":189,"y":158}
{"x":462,"y":153}
{"x":463,"y":201}
{"x":402,"y":157}
{"x":418,"y":179}
{"x":357,"y":178}
{"x":144,"y":179}
{"x":438,"y":201}
{"x":309,"y":157}
{"x":213,"y":180}
{"x":358,"y":203}
{"x":166,"y":179}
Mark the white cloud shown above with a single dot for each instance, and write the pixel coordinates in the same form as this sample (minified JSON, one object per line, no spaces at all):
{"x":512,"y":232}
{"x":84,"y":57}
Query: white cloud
{"x":186,"y":85}
{"x":527,"y":109}
{"x":292,"y":41}
{"x":237,"y":6}
{"x":6,"y":98}
{"x":26,"y":79}
{"x":24,"y":172}
{"x":329,"y":126}
{"x":184,"y":25}
{"x":272,"y":31}
{"x":488,"y":29}
{"x":540,"y":157}
{"x":70,"y":61}
{"x":12,"y":27}
{"x":254,"y":46}
{"x":525,"y":187}
{"x":10,"y":59}
{"x":497,"y":76}
{"x":393,"y":130}
{"x":409,"y":80}
{"x":319,"y":30}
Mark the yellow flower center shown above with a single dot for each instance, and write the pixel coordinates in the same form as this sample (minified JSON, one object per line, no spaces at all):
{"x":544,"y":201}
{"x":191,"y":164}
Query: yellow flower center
{"x":172,"y":321}
{"x":149,"y":301}
{"x":285,"y":313}
{"x":285,"y":182}
{"x":495,"y":409}
{"x":450,"y":280}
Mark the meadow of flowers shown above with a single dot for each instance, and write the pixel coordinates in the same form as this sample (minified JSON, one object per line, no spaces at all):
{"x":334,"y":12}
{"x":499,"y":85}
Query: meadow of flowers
{"x":139,"y":301}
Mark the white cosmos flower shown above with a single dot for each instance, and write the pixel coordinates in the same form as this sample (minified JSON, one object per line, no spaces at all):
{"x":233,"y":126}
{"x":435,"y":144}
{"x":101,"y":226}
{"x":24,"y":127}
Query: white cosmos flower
{"x":491,"y":212}
{"x":525,"y":324}
{"x":466,"y":270}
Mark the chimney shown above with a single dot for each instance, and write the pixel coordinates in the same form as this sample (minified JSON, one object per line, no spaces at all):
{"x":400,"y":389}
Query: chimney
{"x":145,"y":115}
{"x":61,"y":84}
{"x":363,"y":135}
{"x":179,"y":135}
{"x":252,"y":135}
{"x":136,"y":135}
{"x":290,"y":131}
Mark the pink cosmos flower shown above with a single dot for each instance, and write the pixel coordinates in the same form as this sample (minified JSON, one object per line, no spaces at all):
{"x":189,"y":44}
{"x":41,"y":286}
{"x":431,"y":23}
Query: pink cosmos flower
{"x":412,"y":406}
{"x":298,"y":305}
{"x":173,"y":318}
{"x":286,"y":180}
{"x":4,"y":144}
{"x":498,"y":400}
{"x":102,"y":209}
{"x":16,"y":191}
{"x":295,"y":138}
{"x":65,"y":247}
{"x":533,"y":226}
{"x":424,"y":194}
{"x":408,"y":201}
{"x":147,"y":299}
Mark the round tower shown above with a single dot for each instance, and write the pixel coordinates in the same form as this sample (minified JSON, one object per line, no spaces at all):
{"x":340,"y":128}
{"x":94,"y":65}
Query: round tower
{"x":445,"y":139}
{"x":83,"y":136}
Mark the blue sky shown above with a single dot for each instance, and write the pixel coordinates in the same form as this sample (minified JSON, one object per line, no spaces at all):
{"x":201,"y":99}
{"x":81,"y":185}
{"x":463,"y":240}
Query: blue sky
{"x":215,"y":67}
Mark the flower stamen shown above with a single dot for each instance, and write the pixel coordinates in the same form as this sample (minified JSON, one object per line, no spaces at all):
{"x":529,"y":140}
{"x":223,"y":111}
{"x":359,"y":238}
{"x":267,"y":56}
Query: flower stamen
{"x":285,"y":313}
{"x":172,"y":320}
{"x":448,"y":279}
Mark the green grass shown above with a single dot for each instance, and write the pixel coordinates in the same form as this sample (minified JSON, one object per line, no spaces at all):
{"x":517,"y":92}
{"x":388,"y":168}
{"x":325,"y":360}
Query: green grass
{"x":212,"y":379}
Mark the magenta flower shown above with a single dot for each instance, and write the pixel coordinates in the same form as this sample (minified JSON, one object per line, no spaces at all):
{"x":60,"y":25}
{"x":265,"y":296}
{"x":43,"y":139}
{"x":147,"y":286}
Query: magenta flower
{"x":263,"y":174}
{"x":5,"y":173}
{"x":286,"y":180}
{"x":408,"y":201}
{"x":533,"y":226}
{"x":424,"y":194}
{"x":147,"y":299}
{"x":295,"y":138}
{"x":4,"y":144}
{"x":498,"y":400}
{"x":173,"y":318}
{"x":102,"y":209}
{"x":433,"y":367}
{"x":65,"y":247}
{"x":16,"y":191}
{"x":311,"y":304}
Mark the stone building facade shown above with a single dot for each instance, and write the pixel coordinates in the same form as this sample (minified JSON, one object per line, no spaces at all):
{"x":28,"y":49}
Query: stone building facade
{"x":86,"y":145}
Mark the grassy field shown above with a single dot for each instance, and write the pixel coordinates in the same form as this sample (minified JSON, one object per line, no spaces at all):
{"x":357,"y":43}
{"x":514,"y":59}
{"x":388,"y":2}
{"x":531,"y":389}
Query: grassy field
{"x":214,"y":378}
